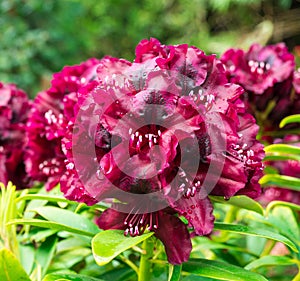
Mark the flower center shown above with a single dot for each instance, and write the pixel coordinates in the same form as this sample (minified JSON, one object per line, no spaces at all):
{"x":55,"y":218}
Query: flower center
{"x":137,"y":223}
{"x":50,"y":168}
{"x":144,"y":138}
{"x":258,"y":67}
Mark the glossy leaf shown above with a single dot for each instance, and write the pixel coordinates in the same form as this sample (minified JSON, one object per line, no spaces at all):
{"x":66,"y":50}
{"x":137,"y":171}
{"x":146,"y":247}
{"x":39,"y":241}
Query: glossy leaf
{"x":68,"y":218}
{"x":290,"y":119}
{"x":220,"y":271}
{"x":240,"y":201}
{"x":280,"y":181}
{"x":108,"y":244}
{"x":69,"y":277}
{"x":275,"y":203}
{"x":270,"y":260}
{"x":51,"y":225}
{"x":248,"y":230}
{"x":10,"y":268}
{"x":281,"y":157}
{"x":174,"y":272}
{"x":283,"y":148}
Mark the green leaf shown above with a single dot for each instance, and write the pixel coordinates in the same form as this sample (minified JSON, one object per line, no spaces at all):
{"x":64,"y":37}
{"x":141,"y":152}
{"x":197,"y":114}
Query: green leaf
{"x":50,"y":225}
{"x":68,"y":259}
{"x":69,"y":277}
{"x":71,"y":244}
{"x":27,"y":253}
{"x":284,"y":220}
{"x":290,"y":119}
{"x":10,"y":267}
{"x":240,"y":201}
{"x":283,"y":149}
{"x":174,"y":272}
{"x":193,"y":277}
{"x":275,"y":203}
{"x":270,"y":260}
{"x":45,"y":252}
{"x":107,"y":244}
{"x":67,"y":218}
{"x":49,"y":198}
{"x":203,"y":243}
{"x":220,"y":270}
{"x":281,"y":157}
{"x":280,"y":181}
{"x":248,"y":230}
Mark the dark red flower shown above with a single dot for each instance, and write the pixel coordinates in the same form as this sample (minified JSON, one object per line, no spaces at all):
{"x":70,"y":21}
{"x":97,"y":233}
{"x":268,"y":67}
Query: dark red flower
{"x":296,"y":81}
{"x":51,"y":112}
{"x":289,"y":168}
{"x":266,"y":73}
{"x":160,"y":135}
{"x":14,"y":109}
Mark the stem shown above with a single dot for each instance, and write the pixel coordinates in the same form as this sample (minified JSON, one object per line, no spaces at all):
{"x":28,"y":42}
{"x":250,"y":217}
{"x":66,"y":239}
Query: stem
{"x":268,"y":248}
{"x":130,"y":264}
{"x":145,"y":264}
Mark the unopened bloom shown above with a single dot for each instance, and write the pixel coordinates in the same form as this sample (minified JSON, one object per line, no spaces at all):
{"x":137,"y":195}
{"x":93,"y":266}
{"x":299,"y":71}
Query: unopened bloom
{"x":14,"y":109}
{"x":50,"y":114}
{"x":266,"y":73}
{"x":169,"y":127}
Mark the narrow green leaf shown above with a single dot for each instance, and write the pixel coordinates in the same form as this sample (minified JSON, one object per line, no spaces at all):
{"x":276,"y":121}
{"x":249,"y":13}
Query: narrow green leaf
{"x":174,"y":272}
{"x":240,"y":201}
{"x":290,"y":119}
{"x":220,"y":271}
{"x":283,"y":148}
{"x":10,"y":267}
{"x":275,"y":203}
{"x":270,"y":260}
{"x":248,"y":230}
{"x":281,"y":157}
{"x":107,"y":244}
{"x":193,"y":277}
{"x":49,"y":198}
{"x":69,"y":277}
{"x":67,"y":218}
{"x":280,"y":181}
{"x":50,"y":225}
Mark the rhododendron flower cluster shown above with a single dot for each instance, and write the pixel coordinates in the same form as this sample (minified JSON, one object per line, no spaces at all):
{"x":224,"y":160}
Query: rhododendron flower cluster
{"x":159,"y":135}
{"x":168,"y":125}
{"x":14,"y":109}
{"x":45,"y":161}
{"x":267,"y":74}
{"x":272,"y":92}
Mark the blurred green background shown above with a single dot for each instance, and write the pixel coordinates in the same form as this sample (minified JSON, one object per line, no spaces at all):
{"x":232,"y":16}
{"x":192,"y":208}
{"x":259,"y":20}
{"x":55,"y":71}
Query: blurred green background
{"x":40,"y":37}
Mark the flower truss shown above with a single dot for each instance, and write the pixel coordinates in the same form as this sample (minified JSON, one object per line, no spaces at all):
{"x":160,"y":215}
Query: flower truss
{"x":45,"y":161}
{"x":267,"y":74}
{"x":14,"y":110}
{"x":159,"y":135}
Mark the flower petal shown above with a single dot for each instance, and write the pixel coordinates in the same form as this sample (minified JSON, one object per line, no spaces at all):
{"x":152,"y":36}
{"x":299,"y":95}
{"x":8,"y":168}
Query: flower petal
{"x":174,"y":235}
{"x":198,"y":211}
{"x":111,"y":219}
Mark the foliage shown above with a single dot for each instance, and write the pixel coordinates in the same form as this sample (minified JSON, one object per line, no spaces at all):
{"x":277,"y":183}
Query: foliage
{"x":56,"y":236}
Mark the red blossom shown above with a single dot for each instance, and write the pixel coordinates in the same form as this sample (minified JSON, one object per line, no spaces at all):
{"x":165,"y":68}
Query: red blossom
{"x":169,"y":127}
{"x":14,"y":109}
